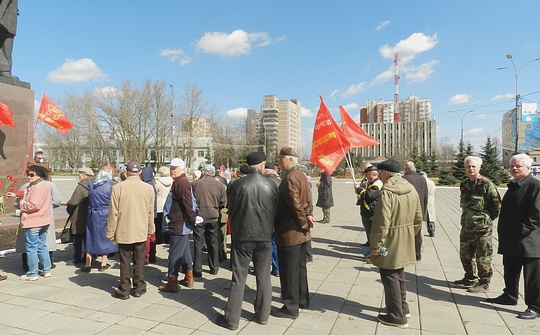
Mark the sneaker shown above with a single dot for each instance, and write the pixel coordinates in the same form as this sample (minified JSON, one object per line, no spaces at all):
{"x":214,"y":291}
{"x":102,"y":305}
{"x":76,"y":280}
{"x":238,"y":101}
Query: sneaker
{"x":29,"y":278}
{"x":466,"y":282}
{"x":44,"y":274}
{"x":479,"y":288}
{"x":385,"y":319}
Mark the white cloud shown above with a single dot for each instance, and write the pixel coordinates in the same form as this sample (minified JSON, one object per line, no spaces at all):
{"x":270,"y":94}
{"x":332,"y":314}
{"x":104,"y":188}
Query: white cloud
{"x":352,"y":107}
{"x":237,"y":43}
{"x":502,"y":97}
{"x":459,"y":99}
{"x":353,"y":89}
{"x":305,"y":112}
{"x":335,"y":93}
{"x":410,"y":47}
{"x":176,"y":56}
{"x":238,"y":113}
{"x":381,"y":25}
{"x":473,"y":132}
{"x":383,"y":77}
{"x":76,"y":71}
{"x":420,"y":73}
{"x":485,"y":116}
{"x":107,"y":91}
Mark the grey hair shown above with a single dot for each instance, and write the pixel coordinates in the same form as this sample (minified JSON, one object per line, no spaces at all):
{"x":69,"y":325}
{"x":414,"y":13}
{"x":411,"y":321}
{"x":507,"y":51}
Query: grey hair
{"x":103,"y":175}
{"x":295,"y":159}
{"x":475,"y":159}
{"x":256,"y":166}
{"x":410,"y":166}
{"x":164,"y":171}
{"x":525,"y":159}
{"x":393,"y":174}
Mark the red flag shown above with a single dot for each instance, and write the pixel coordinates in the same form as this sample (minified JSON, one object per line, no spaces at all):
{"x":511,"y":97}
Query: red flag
{"x":53,"y":116}
{"x":6,"y":116}
{"x":329,"y":142}
{"x":355,"y":134}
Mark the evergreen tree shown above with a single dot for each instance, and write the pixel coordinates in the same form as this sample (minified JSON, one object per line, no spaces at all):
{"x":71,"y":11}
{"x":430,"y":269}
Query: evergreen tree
{"x":458,"y":168}
{"x":433,"y":165}
{"x":490,"y":164}
{"x":422,"y":162}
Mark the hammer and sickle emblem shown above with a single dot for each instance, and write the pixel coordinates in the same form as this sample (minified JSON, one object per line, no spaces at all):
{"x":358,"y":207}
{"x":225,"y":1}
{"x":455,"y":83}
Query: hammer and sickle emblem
{"x":51,"y":109}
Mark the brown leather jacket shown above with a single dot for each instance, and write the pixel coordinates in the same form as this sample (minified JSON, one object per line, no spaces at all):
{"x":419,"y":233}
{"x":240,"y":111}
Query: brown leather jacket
{"x":294,"y":206}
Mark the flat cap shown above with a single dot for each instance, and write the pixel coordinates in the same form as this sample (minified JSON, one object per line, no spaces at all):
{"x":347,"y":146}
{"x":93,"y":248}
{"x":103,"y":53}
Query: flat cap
{"x":371,"y":168}
{"x":244,"y":169}
{"x":209,"y":169}
{"x":86,"y":171}
{"x":270,"y":166}
{"x":288,"y":151}
{"x":390,"y":165}
{"x":255,"y":158}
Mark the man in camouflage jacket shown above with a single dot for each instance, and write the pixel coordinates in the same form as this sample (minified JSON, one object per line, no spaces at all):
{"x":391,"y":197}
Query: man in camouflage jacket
{"x":480,"y":203}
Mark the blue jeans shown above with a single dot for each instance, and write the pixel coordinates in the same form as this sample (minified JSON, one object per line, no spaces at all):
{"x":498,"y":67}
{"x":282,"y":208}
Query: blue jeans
{"x":36,"y":247}
{"x":179,"y":255}
{"x":275,"y":264}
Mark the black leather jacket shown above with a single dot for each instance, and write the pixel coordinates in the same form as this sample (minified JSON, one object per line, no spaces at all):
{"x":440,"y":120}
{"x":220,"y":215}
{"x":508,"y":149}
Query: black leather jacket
{"x":252,"y":206}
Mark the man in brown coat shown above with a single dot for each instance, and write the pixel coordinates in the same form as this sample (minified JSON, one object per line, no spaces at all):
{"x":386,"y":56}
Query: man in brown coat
{"x":130,"y":222}
{"x":292,"y":229}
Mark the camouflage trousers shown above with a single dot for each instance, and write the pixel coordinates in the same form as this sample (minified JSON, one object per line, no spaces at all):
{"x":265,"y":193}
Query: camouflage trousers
{"x":475,"y":251}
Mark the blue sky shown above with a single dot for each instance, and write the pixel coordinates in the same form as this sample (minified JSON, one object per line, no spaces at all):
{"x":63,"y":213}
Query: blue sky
{"x":238,"y":51}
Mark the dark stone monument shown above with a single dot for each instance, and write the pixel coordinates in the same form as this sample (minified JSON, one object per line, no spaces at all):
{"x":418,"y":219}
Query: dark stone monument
{"x":17,"y":95}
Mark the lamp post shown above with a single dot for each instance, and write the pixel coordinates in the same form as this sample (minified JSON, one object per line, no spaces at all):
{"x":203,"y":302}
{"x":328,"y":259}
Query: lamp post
{"x":516,"y":76}
{"x":462,"y":116}
{"x":173,"y":117}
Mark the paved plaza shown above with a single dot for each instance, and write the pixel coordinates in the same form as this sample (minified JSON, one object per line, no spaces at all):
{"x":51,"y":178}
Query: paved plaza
{"x":346,"y":292}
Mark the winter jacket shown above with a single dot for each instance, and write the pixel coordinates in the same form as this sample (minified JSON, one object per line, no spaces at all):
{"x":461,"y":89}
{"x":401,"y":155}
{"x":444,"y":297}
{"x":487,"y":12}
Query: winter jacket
{"x":77,"y":206}
{"x":325,"y":198}
{"x":519,"y":223}
{"x":131,"y":212}
{"x":398,"y":217}
{"x":294,"y":206}
{"x":163,"y":187}
{"x":211,"y":197}
{"x":181,"y":206}
{"x":36,"y":205}
{"x":252,"y":207}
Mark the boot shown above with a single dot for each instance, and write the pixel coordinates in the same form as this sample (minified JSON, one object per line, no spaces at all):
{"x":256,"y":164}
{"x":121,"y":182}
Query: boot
{"x":188,"y":279}
{"x":171,"y":286}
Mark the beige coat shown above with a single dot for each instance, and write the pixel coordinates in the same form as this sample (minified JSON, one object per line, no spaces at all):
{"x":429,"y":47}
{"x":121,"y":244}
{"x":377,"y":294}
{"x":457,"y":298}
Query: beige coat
{"x":398,"y":217}
{"x":131,"y":213}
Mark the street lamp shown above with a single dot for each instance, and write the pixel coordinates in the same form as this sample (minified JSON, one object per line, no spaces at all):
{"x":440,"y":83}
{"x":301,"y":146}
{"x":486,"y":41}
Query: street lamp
{"x":516,"y":75}
{"x":462,"y":116}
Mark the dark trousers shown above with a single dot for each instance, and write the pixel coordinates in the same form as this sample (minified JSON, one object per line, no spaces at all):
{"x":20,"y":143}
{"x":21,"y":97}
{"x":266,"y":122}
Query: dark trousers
{"x":222,"y":242}
{"x":78,"y":243}
{"x":395,"y":294}
{"x":293,"y":278}
{"x":158,"y":223}
{"x":418,"y":245}
{"x":367,"y":222}
{"x":531,"y":276}
{"x":208,"y":231}
{"x":244,"y":252}
{"x":131,"y":253}
{"x":179,"y":255}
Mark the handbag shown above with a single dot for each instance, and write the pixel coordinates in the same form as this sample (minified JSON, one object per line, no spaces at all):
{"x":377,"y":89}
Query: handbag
{"x":65,"y":236}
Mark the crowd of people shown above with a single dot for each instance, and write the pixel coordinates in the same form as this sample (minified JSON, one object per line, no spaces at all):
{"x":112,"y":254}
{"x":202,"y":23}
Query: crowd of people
{"x":269,"y":220}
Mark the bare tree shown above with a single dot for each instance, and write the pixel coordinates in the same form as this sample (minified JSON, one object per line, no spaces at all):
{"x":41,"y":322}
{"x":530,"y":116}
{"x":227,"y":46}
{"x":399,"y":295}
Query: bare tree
{"x":445,"y":152}
{"x":128,"y":116}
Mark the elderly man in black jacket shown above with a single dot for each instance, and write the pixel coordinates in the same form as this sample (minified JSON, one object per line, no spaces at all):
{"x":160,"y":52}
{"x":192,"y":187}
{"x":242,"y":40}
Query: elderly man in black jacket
{"x":519,"y":237}
{"x":420,"y":185}
{"x":252,"y":205}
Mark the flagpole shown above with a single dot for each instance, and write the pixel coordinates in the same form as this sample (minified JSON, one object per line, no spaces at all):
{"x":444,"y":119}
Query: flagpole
{"x":30,"y":146}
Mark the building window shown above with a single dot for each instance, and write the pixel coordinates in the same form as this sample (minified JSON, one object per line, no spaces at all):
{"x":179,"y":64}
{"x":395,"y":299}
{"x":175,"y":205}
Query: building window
{"x":200,"y":153}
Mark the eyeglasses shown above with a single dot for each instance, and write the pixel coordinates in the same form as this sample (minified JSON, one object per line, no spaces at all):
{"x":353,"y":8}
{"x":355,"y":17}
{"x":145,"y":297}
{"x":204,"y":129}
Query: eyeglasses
{"x":30,"y":175}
